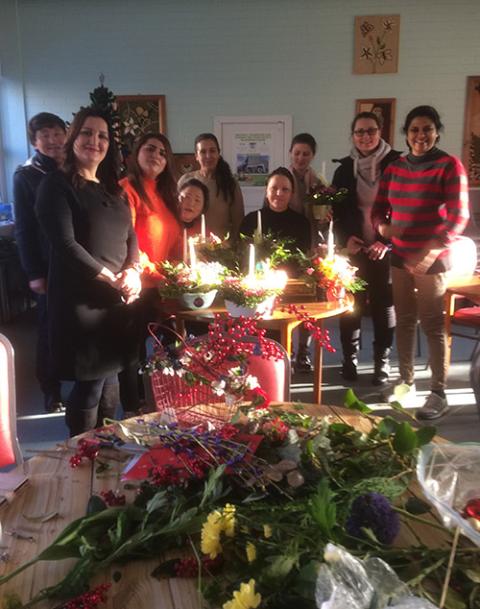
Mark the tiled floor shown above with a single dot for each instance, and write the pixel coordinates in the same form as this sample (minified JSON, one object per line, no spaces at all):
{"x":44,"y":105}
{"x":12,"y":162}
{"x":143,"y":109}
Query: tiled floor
{"x":38,"y":430}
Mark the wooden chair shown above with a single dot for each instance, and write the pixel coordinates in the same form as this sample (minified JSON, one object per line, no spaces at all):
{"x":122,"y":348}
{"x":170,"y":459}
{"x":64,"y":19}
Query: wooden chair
{"x":10,"y":452}
{"x":457,"y":320}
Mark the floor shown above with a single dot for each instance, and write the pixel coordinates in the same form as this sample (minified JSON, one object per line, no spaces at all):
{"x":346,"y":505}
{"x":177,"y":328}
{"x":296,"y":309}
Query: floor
{"x":37,"y":430}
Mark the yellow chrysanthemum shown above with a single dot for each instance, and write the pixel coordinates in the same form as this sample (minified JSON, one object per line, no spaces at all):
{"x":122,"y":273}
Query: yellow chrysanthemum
{"x":229,"y":520}
{"x":267,"y":531}
{"x":251,"y":551}
{"x":245,"y":598}
{"x":211,"y":530}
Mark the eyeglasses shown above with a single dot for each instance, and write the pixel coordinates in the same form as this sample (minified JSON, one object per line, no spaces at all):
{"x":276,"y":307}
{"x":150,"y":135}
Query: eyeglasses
{"x":362,"y":132}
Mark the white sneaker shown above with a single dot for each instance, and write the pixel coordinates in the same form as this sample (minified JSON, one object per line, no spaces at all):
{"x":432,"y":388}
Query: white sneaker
{"x":434,"y":408}
{"x":404,"y":394}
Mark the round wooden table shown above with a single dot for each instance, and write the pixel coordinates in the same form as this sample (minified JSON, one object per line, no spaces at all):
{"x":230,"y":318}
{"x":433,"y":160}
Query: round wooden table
{"x":285,"y":323}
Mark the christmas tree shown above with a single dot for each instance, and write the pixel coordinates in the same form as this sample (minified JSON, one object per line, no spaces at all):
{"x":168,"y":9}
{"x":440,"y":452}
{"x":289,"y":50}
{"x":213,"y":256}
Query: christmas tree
{"x":103,"y":99}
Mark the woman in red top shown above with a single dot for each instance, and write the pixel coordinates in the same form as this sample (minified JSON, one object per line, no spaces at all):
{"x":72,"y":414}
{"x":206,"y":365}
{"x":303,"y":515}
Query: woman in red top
{"x":152,"y":194}
{"x":151,"y":191}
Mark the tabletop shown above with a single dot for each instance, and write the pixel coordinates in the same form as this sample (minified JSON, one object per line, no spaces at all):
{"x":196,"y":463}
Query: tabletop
{"x":57,"y":494}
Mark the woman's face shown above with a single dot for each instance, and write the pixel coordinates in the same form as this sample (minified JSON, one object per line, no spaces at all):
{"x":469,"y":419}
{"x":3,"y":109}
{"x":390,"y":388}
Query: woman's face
{"x":152,"y":158}
{"x":91,"y":144}
{"x":207,"y":155}
{"x":366,"y":136}
{"x":301,"y":155}
{"x":422,"y":135}
{"x":190,"y":203}
{"x":279,"y":193}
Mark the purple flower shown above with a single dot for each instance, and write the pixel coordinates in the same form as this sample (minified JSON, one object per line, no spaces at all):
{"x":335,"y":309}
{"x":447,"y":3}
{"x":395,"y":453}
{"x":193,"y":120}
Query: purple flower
{"x":373,"y":511}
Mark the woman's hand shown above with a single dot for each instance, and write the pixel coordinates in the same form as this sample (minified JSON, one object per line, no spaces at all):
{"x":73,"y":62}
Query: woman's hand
{"x":377,"y":250}
{"x":355,"y":245}
{"x":129,"y":284}
{"x":39,"y":286}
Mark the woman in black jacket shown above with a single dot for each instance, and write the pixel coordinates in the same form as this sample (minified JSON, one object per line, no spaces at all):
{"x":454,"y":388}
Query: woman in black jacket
{"x":360,"y":174}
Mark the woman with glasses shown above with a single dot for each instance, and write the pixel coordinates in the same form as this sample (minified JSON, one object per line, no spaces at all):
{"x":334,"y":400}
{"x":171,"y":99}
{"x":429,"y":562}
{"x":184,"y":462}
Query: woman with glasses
{"x":422,"y":204}
{"x":360,"y":174}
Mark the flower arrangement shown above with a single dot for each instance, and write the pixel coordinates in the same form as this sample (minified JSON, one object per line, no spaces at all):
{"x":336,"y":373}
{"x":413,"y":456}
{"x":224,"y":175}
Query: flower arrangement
{"x":252,"y":289}
{"x":173,"y":280}
{"x":323,"y":194}
{"x":256,"y":511}
{"x":335,"y":274}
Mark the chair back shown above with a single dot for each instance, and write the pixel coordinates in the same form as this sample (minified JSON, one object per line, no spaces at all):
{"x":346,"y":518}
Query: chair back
{"x":10,"y":452}
{"x":273,"y":375}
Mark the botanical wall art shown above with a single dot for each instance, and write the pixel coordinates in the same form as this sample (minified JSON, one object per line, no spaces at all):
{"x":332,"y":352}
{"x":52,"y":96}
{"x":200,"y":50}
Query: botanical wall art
{"x":385,"y":109}
{"x":140,"y":114}
{"x":376,"y":44}
{"x":471,"y":139}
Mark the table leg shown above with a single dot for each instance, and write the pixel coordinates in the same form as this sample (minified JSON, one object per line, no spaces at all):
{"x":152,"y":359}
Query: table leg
{"x":317,"y":371}
{"x":286,"y":337}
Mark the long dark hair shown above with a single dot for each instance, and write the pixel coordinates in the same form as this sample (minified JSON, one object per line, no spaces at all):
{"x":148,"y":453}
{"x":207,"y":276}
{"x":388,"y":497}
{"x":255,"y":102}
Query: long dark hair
{"x":197,"y":184}
{"x":223,"y":175}
{"x":166,"y":184}
{"x":109,"y":169}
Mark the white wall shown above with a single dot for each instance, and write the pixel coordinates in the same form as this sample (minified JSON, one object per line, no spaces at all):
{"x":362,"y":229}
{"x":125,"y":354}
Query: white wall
{"x":231,"y":57}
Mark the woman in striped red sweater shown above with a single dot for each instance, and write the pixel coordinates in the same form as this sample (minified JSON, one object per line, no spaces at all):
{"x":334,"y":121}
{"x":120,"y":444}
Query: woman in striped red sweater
{"x":422,"y":204}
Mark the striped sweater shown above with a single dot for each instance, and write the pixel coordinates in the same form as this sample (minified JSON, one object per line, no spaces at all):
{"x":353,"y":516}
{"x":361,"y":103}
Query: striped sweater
{"x":427,"y":197}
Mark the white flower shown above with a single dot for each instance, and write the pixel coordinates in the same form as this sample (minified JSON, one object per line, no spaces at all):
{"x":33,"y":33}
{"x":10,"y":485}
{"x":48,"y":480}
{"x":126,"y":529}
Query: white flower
{"x":218,"y":387}
{"x":251,"y":382}
{"x":169,"y":371}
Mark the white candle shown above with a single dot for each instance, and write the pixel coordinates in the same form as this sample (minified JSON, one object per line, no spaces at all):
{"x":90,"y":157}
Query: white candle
{"x":330,"y":242}
{"x":193,"y":258}
{"x":185,"y":247}
{"x":251,"y":260}
{"x":324,"y":170}
{"x":259,"y":223}
{"x":202,"y":229}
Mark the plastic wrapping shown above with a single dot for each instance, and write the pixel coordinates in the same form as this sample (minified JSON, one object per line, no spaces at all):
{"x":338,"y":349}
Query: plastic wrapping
{"x":346,"y":581}
{"x":449,"y":475}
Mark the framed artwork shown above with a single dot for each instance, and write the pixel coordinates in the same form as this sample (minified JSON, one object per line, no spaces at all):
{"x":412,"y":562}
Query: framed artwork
{"x":140,"y":114}
{"x":254,"y":146}
{"x":376,"y":44}
{"x":185,"y":162}
{"x":471,"y":137}
{"x":385,"y":108}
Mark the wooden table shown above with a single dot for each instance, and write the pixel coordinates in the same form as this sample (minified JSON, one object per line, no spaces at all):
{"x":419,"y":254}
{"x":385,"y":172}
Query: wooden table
{"x":55,"y":487}
{"x":285,"y":323}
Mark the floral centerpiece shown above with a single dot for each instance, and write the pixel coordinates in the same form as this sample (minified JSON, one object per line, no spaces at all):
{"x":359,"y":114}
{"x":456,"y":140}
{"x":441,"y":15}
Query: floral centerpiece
{"x":201,"y":281}
{"x":255,"y":507}
{"x":335,"y":275}
{"x":323,"y":198}
{"x":253,"y":293}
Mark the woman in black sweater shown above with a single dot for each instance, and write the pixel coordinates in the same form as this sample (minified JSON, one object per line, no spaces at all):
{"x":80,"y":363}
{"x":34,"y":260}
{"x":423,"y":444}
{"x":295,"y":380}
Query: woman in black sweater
{"x":360,"y":174}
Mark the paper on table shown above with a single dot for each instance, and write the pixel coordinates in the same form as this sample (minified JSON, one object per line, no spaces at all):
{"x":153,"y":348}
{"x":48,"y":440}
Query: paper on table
{"x":9,"y":483}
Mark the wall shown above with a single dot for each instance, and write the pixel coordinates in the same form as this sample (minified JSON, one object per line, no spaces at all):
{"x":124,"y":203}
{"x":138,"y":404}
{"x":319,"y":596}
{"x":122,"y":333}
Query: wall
{"x":225,"y":57}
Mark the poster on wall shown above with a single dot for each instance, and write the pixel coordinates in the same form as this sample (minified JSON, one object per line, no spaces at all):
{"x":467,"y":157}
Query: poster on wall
{"x":471,"y":138}
{"x":384,"y":108}
{"x":254,"y":145}
{"x":376,"y":44}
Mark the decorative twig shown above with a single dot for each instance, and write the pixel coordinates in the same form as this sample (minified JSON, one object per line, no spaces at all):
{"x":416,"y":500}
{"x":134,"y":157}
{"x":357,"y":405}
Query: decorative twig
{"x":448,"y":574}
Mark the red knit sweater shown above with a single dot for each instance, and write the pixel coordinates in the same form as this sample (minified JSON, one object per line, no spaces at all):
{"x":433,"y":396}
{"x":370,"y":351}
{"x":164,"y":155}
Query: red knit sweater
{"x":427,"y":197}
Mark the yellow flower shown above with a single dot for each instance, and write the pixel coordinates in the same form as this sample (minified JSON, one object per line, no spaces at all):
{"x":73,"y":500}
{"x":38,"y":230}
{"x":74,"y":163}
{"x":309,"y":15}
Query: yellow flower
{"x":245,"y":598}
{"x":229,"y":520}
{"x":211,"y":530}
{"x":267,"y":531}
{"x":251,"y":551}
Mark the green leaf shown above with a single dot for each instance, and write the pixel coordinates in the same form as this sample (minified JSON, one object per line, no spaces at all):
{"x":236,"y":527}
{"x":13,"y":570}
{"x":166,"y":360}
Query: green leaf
{"x":425,"y":435}
{"x":353,"y":403}
{"x":214,"y":479}
{"x":11,"y":600}
{"x":454,"y":600}
{"x":417,"y":506}
{"x":157,"y":502}
{"x":405,"y":441}
{"x":387,"y":426}
{"x":95,"y":504}
{"x":280,"y":567}
{"x":322,"y":508}
{"x":306,"y":580}
{"x":473,"y":575}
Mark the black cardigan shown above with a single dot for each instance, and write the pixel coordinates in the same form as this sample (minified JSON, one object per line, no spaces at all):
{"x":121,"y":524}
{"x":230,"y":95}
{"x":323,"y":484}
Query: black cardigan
{"x":347,"y":215}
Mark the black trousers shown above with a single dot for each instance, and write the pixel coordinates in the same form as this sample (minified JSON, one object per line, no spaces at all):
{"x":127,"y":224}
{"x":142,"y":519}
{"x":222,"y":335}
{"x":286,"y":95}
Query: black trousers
{"x":49,"y":384}
{"x":89,"y":402}
{"x":378,"y":296}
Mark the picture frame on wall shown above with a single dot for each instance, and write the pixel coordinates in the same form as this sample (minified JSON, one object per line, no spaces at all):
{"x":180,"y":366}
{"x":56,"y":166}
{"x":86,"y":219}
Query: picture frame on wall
{"x":185,"y":162}
{"x":376,"y":44}
{"x":140,"y":114}
{"x":471,"y":137}
{"x":383,"y":107}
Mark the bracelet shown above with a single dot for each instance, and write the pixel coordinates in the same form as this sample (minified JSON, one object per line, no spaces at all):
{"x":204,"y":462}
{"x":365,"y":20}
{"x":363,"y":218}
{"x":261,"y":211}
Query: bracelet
{"x":136,"y":266}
